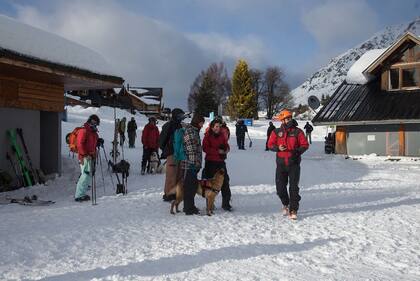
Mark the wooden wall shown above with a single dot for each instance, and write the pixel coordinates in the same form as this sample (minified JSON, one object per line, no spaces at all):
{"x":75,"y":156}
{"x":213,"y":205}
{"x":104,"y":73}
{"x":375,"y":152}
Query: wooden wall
{"x":19,"y":93}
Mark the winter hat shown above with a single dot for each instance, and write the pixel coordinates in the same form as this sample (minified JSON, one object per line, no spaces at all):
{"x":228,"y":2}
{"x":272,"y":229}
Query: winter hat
{"x":94,"y":117}
{"x":197,"y":119}
{"x":178,"y":114}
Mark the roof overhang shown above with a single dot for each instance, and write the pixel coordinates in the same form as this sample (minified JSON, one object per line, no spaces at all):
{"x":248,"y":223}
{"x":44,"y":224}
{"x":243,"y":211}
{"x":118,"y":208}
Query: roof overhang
{"x":391,"y":49}
{"x":371,"y":122}
{"x":20,"y":66}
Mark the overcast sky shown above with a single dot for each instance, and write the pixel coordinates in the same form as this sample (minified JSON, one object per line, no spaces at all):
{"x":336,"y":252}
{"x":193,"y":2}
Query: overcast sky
{"x":166,"y":43}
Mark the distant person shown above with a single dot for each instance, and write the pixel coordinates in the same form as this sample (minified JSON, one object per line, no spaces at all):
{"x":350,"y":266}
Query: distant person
{"x":270,"y":129}
{"x":150,"y":141}
{"x":216,"y":147}
{"x":121,"y":130}
{"x":87,"y":139}
{"x":308,"y":130}
{"x":241,"y":129}
{"x":132,"y":132}
{"x":166,"y":145}
{"x":289,"y":143}
{"x":224,"y":130}
{"x":192,"y":164}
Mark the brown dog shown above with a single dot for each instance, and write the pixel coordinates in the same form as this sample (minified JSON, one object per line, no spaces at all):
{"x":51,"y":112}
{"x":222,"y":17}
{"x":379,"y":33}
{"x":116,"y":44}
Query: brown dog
{"x":207,"y":188}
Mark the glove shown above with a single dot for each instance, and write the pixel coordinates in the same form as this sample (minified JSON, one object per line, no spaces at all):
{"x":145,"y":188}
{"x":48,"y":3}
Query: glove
{"x":295,"y":158}
{"x":100,"y":142}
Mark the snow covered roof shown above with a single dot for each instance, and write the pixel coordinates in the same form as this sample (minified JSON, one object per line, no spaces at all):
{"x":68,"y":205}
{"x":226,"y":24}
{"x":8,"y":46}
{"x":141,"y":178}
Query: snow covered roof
{"x":28,"y":41}
{"x":149,"y":101}
{"x":356,"y":74}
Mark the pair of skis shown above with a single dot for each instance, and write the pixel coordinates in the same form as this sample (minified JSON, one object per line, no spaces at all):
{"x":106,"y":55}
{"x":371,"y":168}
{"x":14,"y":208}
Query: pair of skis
{"x":27,"y":176}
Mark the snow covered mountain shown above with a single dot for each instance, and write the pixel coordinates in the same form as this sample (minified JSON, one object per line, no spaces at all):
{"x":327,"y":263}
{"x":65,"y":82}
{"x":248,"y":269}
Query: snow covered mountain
{"x":326,"y":80}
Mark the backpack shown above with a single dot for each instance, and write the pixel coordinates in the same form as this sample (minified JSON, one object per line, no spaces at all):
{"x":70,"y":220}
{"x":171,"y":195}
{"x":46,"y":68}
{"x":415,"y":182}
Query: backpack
{"x":71,"y":139}
{"x":178,"y":142}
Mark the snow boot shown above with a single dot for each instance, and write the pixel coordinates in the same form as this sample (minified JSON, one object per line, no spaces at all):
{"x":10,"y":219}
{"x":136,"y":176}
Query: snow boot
{"x":285,"y":210}
{"x":83,"y":198}
{"x":195,"y":211}
{"x":293,"y":215}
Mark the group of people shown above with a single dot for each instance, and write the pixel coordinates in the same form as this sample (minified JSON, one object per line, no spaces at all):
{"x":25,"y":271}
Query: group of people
{"x":288,"y":142}
{"x":215,"y":146}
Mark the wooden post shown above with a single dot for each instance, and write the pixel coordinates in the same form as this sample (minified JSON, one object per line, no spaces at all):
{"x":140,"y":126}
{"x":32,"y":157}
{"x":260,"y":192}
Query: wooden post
{"x":401,"y":133}
{"x":341,"y":140}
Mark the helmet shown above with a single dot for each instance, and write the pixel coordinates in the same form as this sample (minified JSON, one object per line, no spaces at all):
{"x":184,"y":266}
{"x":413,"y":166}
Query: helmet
{"x":284,"y":114}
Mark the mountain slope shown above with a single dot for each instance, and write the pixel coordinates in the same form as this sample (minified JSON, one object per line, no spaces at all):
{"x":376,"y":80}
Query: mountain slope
{"x":326,"y":80}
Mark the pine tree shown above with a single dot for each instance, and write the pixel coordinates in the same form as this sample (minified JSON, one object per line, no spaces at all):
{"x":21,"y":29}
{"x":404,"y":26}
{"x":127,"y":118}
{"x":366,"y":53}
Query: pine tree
{"x":206,"y":97}
{"x":242,"y":102}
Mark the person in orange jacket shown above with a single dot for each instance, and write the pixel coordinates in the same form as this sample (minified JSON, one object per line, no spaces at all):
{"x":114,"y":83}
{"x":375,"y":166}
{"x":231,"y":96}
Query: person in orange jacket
{"x":289,"y":143}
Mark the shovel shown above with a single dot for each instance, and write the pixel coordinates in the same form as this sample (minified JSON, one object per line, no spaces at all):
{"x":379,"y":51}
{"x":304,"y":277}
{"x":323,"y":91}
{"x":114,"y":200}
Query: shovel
{"x":250,"y":141}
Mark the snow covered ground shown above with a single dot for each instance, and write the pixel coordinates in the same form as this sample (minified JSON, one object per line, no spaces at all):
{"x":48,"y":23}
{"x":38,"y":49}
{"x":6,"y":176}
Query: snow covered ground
{"x":359,"y":220}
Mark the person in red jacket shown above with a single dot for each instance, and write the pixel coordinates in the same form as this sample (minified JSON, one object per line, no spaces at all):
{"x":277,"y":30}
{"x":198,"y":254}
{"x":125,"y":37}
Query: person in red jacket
{"x":87,"y":139}
{"x":289,"y":143}
{"x":150,"y":141}
{"x":216,"y":147}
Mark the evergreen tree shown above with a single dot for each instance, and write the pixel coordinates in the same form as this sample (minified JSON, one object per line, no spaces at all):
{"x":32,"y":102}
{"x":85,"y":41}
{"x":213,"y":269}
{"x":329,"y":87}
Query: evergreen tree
{"x":206,"y":96}
{"x":242,"y":103}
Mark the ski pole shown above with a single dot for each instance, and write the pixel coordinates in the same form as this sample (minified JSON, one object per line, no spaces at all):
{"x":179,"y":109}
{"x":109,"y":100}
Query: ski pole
{"x":102,"y":171}
{"x":107,"y":161}
{"x":93,"y":183}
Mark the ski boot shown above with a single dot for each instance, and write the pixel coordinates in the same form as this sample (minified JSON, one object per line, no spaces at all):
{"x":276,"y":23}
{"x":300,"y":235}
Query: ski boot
{"x":285,"y":210}
{"x":293,"y":215}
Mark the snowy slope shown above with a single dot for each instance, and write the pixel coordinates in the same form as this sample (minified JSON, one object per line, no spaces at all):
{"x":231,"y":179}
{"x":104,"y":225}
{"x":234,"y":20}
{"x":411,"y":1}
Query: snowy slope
{"x":327,"y":79}
{"x":26,"y":40}
{"x":359,"y":220}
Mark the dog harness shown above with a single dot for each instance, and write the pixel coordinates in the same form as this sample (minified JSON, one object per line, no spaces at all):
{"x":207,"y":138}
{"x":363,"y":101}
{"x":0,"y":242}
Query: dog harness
{"x":205,"y":185}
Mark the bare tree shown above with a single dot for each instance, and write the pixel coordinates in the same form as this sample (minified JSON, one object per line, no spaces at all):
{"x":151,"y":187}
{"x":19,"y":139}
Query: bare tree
{"x":276,"y":94}
{"x":257,"y":77}
{"x":216,"y":76}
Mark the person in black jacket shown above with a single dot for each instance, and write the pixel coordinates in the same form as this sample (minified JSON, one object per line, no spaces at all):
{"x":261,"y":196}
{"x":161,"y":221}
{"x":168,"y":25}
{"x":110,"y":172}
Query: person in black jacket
{"x":308,"y":130}
{"x":166,"y":145}
{"x":241,"y":129}
{"x":271,"y":128}
{"x":131,"y":131}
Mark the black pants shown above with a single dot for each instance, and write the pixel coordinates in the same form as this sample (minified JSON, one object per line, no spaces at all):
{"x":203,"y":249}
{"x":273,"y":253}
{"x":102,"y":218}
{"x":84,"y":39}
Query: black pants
{"x":241,"y":141}
{"x":190,"y":189}
{"x":147,"y":152}
{"x":210,"y":169}
{"x":131,"y":138}
{"x":288,"y":175}
{"x":309,"y":137}
{"x":266,"y":144}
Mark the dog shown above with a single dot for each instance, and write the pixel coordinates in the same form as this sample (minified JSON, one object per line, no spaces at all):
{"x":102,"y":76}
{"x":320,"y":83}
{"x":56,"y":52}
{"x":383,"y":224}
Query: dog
{"x":162,"y":168}
{"x":154,"y":163}
{"x":206,"y":188}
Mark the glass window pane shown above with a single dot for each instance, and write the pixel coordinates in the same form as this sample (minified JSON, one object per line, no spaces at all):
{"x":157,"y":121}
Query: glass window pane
{"x":394,"y":78}
{"x":410,"y":77}
{"x":417,"y":52}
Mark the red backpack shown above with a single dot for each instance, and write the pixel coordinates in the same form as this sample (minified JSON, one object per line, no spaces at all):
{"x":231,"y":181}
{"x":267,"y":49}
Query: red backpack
{"x":71,"y":139}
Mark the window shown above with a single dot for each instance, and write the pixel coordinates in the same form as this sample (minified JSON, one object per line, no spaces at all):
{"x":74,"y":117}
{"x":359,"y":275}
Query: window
{"x":394,"y":79}
{"x":410,"y":77}
{"x":417,"y":53}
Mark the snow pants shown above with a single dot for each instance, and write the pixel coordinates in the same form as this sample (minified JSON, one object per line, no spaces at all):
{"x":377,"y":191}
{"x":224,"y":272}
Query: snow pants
{"x":288,"y":174}
{"x":210,"y":169}
{"x":85,"y":178}
{"x":241,"y":141}
{"x":172,"y":174}
{"x":190,"y":189}
{"x":309,"y":137}
{"x":131,"y":139}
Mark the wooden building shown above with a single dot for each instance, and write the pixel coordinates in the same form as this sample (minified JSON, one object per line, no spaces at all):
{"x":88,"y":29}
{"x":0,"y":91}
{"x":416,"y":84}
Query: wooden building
{"x":36,"y":68}
{"x":377,"y":109}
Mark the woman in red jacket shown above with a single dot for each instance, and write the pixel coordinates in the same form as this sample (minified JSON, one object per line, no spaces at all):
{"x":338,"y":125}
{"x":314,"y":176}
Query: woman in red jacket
{"x":150,"y":141}
{"x":216,"y":147}
{"x":87,"y":139}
